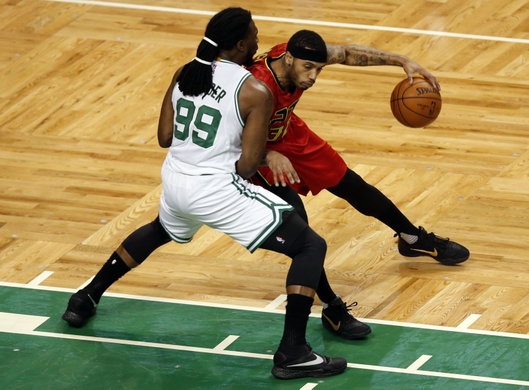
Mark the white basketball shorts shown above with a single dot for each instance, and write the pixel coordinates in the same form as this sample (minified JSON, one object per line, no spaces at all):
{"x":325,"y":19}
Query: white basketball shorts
{"x":225,"y":202}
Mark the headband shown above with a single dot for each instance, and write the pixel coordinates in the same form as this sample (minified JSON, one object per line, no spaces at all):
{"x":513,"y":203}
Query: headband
{"x":308,"y":54}
{"x":202,"y":61}
{"x":210,"y":41}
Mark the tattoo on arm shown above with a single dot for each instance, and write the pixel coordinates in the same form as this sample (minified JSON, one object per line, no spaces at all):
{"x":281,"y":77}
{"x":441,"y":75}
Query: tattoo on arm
{"x":358,"y":55}
{"x":335,"y":55}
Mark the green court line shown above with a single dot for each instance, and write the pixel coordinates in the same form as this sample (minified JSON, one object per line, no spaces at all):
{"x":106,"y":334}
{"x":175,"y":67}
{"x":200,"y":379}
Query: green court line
{"x":177,"y":331}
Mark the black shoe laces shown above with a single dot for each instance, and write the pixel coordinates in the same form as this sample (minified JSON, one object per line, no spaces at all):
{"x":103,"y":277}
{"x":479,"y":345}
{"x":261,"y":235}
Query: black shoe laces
{"x":439,"y":241}
{"x":348,"y":307}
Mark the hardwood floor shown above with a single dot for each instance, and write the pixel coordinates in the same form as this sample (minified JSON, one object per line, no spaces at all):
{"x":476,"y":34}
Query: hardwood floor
{"x":80,"y":91}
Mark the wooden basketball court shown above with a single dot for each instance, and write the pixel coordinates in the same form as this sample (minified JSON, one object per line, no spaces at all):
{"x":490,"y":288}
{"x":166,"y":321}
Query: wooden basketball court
{"x":81,"y":83}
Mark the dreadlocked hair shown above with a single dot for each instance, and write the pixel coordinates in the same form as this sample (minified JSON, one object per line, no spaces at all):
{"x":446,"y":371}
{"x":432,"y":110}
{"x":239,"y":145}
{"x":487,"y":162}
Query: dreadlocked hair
{"x":226,"y":28}
{"x":309,"y":40}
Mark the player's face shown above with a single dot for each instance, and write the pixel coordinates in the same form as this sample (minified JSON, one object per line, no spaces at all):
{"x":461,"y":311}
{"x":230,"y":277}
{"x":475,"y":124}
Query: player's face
{"x":304,"y":73}
{"x":251,"y":42}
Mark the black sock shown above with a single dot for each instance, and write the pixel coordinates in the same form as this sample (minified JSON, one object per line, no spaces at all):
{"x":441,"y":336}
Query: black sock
{"x":111,"y":271}
{"x":324,"y":291}
{"x":296,"y":318}
{"x":394,"y":218}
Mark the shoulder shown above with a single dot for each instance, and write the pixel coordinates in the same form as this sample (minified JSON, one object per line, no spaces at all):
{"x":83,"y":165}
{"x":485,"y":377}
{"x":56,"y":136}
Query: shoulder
{"x":278,"y":50}
{"x":255,"y":95}
{"x":274,"y":53}
{"x":256,"y":89}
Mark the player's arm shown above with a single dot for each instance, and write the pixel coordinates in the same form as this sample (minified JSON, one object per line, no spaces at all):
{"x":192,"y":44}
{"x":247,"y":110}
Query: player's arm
{"x":280,"y":166}
{"x":166,"y":120}
{"x":359,"y":55}
{"x":256,"y":104}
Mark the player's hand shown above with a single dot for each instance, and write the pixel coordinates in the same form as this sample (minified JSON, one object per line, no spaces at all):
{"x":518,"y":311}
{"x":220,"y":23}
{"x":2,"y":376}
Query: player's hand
{"x":281,"y":167}
{"x":411,"y":68}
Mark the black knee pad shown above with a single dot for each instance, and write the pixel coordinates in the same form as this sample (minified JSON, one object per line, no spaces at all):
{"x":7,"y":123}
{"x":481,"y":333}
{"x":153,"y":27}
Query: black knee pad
{"x":308,"y":256}
{"x":145,"y":240}
{"x":295,"y":239}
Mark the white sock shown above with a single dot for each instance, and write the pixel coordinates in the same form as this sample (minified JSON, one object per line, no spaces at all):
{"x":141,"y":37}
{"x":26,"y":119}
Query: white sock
{"x":326,"y":305}
{"x":409,"y":238}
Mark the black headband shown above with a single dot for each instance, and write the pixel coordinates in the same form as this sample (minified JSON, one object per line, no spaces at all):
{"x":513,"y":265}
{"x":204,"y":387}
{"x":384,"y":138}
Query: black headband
{"x":308,"y":54}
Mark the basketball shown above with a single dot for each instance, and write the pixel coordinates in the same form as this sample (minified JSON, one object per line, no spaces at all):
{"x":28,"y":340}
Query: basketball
{"x":417,"y":104}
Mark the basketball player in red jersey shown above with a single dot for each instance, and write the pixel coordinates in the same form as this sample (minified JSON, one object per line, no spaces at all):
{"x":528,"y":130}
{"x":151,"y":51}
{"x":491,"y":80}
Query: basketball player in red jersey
{"x":290,"y":69}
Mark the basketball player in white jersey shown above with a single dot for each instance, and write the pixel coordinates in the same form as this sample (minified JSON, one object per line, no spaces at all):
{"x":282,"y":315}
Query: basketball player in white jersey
{"x":214,"y":120}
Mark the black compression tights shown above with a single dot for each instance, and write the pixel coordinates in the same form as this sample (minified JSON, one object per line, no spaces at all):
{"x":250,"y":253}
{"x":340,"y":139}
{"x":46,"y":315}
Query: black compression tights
{"x":303,"y":245}
{"x":324,"y":290}
{"x":145,"y":240}
{"x":371,"y":202}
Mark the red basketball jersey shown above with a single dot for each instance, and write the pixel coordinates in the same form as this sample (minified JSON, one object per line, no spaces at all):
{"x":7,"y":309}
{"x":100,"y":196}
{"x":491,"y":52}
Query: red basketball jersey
{"x":284,"y":102}
{"x":318,"y":165}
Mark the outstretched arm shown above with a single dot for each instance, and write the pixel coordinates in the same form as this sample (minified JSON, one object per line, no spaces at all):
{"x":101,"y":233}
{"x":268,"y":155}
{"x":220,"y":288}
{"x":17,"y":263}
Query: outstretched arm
{"x":359,"y":55}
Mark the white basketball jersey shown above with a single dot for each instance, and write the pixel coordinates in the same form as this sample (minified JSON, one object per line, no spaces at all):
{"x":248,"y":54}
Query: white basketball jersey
{"x":207,"y":134}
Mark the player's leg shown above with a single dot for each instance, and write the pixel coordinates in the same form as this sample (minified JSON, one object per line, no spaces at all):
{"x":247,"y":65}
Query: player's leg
{"x":413,"y":241}
{"x":256,"y":218}
{"x":336,"y":316}
{"x":294,"y":357}
{"x":132,"y":252}
{"x":368,"y":200}
{"x":319,"y":167}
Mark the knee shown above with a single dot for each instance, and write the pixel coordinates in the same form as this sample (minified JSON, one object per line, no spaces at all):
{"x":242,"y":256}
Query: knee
{"x":317,"y":244}
{"x":311,"y":243}
{"x":159,"y":231}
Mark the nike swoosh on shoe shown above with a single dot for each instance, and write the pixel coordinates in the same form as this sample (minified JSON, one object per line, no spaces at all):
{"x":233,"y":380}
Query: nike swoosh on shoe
{"x":314,"y":362}
{"x":334,"y":326}
{"x":92,"y":299}
{"x":431,"y":253}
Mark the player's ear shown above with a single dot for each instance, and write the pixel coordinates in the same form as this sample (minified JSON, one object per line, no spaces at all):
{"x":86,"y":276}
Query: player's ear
{"x":241,"y":45}
{"x":289,"y":58}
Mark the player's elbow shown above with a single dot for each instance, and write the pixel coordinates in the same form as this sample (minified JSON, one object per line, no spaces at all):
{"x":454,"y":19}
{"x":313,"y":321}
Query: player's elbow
{"x":164,"y":143}
{"x":246,"y":169}
{"x":164,"y":139}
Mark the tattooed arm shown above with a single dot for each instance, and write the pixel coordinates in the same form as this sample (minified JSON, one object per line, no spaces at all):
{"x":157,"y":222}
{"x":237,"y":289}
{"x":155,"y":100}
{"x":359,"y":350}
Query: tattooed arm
{"x":358,"y":55}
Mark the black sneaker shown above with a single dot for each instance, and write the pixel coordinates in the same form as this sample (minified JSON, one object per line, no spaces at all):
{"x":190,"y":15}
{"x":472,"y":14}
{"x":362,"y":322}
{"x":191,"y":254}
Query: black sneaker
{"x":306,"y":364}
{"x":80,"y":308}
{"x":441,"y":249}
{"x":337,"y":319}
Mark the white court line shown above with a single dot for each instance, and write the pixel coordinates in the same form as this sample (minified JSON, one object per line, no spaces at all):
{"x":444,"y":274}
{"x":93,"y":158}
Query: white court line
{"x":469,"y":321}
{"x":439,"y":374}
{"x":15,"y":323}
{"x":263,"y":310}
{"x":309,"y":386}
{"x":29,"y":332}
{"x":86,"y":283}
{"x":276,"y":302}
{"x":41,"y":278}
{"x":419,"y":363}
{"x":226,"y":343}
{"x":302,"y":21}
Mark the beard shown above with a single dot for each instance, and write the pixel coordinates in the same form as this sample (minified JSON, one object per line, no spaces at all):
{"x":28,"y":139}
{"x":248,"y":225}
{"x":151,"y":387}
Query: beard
{"x":248,"y":61}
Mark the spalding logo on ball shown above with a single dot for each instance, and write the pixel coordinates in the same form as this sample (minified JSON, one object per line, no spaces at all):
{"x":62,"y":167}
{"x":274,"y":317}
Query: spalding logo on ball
{"x":417,"y":104}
